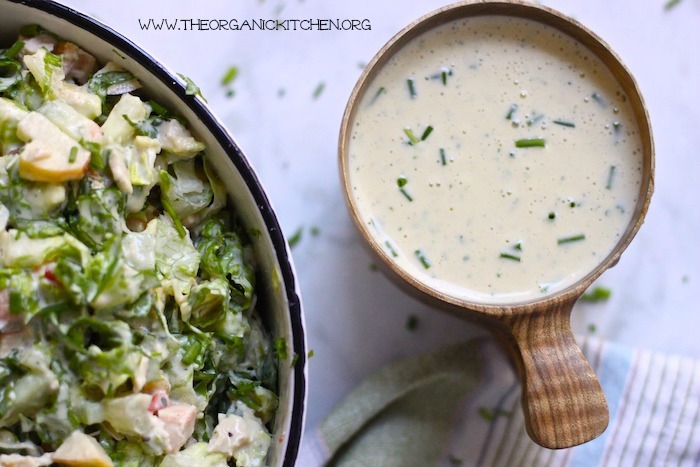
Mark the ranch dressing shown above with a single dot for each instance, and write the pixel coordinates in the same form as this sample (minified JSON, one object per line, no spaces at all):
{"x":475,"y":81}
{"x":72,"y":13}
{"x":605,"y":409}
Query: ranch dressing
{"x":495,"y":159}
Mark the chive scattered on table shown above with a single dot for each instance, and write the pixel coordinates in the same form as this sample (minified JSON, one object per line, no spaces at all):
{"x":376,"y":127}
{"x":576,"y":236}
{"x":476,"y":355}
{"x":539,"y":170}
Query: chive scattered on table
{"x":413,"y":139}
{"x":598,"y":294}
{"x":511,"y":111}
{"x":443,"y":157}
{"x":534,"y":119}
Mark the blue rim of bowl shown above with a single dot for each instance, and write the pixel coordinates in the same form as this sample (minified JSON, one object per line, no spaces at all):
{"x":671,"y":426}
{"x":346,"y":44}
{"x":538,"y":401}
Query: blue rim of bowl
{"x":239,"y":160}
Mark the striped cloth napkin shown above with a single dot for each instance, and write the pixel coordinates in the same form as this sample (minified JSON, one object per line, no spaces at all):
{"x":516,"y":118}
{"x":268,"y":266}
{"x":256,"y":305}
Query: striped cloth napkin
{"x":460,"y":406}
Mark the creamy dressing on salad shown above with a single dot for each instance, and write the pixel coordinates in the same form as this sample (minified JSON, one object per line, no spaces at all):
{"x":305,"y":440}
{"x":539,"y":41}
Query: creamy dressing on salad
{"x":495,"y":159}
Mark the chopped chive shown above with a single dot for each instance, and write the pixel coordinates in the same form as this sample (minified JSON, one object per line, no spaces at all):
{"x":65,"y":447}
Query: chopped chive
{"x":296,"y":237}
{"x":616,"y":126}
{"x":443,"y":158}
{"x":592,"y":328}
{"x":611,"y":177}
{"x":511,"y":111}
{"x":230,"y":75}
{"x":574,"y":238}
{"x":413,"y":139}
{"x":391,"y":249}
{"x":426,"y":133}
{"x":14,"y":50}
{"x":518,"y":246}
{"x":598,"y":98}
{"x":444,"y":77}
{"x":598,"y":294}
{"x":318,"y":90}
{"x":401,"y":182}
{"x":310,"y":353}
{"x":510,"y":256}
{"x":534,"y":119}
{"x":411,"y":87}
{"x":551,"y":216}
{"x":412,"y":322}
{"x":281,"y":348}
{"x":191,"y":89}
{"x":491,"y":414}
{"x":73,"y":154}
{"x":422,"y":258}
{"x":295,"y":359}
{"x":529,"y":143}
{"x":379,"y":92}
{"x":670,"y":4}
{"x":565,"y":123}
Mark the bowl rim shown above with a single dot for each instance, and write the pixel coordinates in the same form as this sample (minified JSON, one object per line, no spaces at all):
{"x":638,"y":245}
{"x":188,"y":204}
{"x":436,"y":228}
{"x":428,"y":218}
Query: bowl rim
{"x":247,"y":173}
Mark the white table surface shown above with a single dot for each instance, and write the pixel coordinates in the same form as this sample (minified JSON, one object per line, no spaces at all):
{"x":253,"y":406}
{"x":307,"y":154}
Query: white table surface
{"x":355,"y":318}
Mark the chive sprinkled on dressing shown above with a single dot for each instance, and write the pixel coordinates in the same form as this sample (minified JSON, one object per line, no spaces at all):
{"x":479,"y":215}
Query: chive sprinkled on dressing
{"x":534,"y":119}
{"x":510,"y":256}
{"x":511,"y":111}
{"x":443,"y":157}
{"x":380,"y":91}
{"x":572,"y":239}
{"x":411,"y":87}
{"x":530,"y":143}
{"x":564,"y":123}
{"x":426,"y":133}
{"x":422,"y":258}
{"x":412,"y":138}
{"x":73,"y":154}
{"x":611,"y":177}
{"x":401,"y":182}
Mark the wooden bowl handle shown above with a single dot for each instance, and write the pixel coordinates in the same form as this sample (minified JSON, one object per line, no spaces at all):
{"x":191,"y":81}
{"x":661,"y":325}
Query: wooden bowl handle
{"x":562,"y":400}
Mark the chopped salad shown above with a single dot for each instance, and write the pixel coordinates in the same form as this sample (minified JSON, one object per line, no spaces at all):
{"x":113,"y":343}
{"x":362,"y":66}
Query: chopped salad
{"x":128,"y":326}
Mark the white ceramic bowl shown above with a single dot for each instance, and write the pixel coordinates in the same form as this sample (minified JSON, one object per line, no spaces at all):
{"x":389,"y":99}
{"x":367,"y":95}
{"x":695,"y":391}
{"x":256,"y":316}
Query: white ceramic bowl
{"x":278,"y":293}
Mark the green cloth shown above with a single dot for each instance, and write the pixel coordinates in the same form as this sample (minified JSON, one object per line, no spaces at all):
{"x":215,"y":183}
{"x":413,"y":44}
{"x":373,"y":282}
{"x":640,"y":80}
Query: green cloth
{"x":405,"y":411}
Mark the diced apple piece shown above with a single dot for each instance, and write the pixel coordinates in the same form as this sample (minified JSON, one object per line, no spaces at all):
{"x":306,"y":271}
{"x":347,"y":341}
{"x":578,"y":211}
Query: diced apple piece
{"x":116,"y":128}
{"x":50,"y":155}
{"x":79,"y":98}
{"x":81,"y":450}
{"x":72,"y":122}
{"x":179,"y":424}
{"x":45,"y":76}
{"x":10,"y":111}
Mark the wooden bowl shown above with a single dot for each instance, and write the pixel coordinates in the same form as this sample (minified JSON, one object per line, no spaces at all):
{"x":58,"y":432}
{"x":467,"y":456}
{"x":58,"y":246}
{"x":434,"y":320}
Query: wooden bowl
{"x":562,"y":400}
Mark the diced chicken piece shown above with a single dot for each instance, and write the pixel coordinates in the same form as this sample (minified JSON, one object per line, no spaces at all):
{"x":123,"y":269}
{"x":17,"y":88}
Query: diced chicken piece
{"x":177,"y":140}
{"x":120,"y":172}
{"x":77,"y":64}
{"x":242,"y":437}
{"x":17,"y":460}
{"x":81,"y":450}
{"x":50,"y":155}
{"x":33,"y":44}
{"x":179,"y":424}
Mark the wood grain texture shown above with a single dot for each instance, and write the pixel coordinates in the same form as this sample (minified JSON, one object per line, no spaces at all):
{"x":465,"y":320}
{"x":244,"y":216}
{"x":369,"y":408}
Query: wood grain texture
{"x":562,"y":400}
